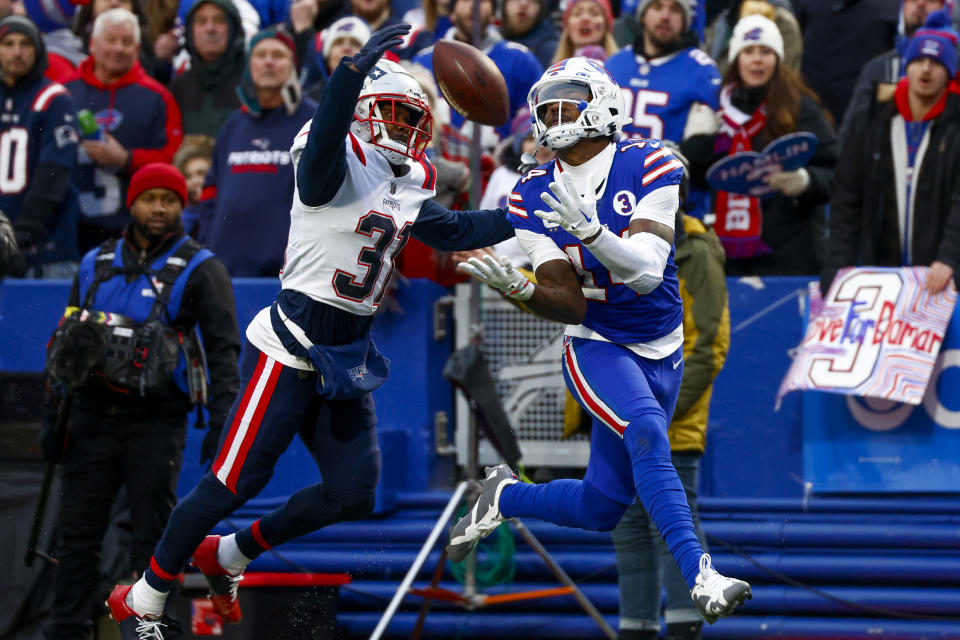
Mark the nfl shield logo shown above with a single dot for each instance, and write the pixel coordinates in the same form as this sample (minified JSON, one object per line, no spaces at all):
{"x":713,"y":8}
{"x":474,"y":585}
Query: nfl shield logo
{"x":393,"y":188}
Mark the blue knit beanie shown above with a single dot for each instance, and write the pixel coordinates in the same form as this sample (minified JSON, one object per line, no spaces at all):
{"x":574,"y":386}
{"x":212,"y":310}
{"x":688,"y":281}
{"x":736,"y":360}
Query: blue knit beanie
{"x":935,"y":40}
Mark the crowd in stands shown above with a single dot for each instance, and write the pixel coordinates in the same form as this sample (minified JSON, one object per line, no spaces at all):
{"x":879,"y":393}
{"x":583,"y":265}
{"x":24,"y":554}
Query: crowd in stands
{"x":220,"y":87}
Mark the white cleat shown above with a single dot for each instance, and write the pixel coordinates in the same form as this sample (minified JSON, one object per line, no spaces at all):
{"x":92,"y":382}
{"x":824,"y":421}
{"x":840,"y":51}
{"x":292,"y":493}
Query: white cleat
{"x":715,"y":595}
{"x":484,"y":517}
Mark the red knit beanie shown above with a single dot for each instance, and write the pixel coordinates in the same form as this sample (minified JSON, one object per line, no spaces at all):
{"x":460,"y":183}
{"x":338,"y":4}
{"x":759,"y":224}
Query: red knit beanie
{"x":154,"y":175}
{"x":604,"y":5}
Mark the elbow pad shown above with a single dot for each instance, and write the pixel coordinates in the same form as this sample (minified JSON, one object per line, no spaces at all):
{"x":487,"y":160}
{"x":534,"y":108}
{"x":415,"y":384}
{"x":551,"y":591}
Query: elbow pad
{"x":638,"y":261}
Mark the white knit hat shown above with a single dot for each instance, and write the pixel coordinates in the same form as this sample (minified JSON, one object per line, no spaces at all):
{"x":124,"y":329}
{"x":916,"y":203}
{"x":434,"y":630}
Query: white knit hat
{"x":755,"y":29}
{"x":348,"y":27}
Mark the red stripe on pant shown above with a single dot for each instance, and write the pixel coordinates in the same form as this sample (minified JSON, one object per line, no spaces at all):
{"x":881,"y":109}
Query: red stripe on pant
{"x":238,"y":416}
{"x":254,"y":426}
{"x":583,"y":391}
{"x":258,"y":536}
{"x":163,"y":575}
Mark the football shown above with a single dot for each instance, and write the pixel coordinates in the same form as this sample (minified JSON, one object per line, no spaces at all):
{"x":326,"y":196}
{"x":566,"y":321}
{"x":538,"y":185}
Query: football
{"x":471,"y":83}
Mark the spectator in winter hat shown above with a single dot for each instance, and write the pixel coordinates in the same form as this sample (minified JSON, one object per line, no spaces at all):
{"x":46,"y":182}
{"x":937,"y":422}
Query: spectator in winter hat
{"x":342,"y":38}
{"x":586,"y":22}
{"x":664,"y":61}
{"x":246,"y":199}
{"x":206,"y":92}
{"x":528,"y":22}
{"x":882,"y":72}
{"x":762,"y":100}
{"x":895,"y":202}
{"x":718,"y":34}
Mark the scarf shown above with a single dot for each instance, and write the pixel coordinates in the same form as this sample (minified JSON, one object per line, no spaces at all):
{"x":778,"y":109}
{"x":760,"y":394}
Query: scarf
{"x":739,"y":217}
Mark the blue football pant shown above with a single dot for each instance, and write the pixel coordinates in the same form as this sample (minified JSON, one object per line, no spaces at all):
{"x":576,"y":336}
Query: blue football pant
{"x":631,"y":400}
{"x":277,"y":403}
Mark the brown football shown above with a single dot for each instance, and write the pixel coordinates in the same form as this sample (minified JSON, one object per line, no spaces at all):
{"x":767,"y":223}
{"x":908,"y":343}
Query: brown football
{"x":471,"y":83}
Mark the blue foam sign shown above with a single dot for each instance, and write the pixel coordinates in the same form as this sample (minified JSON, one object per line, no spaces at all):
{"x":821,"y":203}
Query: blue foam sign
{"x":748,"y":172}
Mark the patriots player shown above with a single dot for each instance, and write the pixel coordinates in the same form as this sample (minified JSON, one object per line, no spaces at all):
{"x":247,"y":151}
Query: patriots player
{"x":602,"y":251}
{"x":363,"y":187}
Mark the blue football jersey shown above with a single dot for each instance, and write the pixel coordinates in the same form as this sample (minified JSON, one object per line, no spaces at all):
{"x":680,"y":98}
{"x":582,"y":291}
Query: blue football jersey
{"x":520,"y":69}
{"x":38,"y":126}
{"x":614,"y":310}
{"x":659,"y":93}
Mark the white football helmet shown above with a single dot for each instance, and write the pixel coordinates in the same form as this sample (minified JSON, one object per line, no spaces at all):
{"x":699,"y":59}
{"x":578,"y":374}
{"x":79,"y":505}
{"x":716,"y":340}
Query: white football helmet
{"x":392,"y":99}
{"x":580,"y":86}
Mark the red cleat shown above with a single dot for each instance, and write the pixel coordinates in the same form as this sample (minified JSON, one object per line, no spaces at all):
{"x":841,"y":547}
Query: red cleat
{"x":223,"y":585}
{"x":132,"y":625}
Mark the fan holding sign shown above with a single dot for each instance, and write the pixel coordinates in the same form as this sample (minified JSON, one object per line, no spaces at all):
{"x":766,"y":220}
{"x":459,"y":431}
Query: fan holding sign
{"x":771,"y":169}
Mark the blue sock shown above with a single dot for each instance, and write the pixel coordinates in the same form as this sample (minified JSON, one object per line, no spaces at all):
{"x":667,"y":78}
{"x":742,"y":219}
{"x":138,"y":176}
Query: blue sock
{"x":571,"y":503}
{"x":661,"y":492}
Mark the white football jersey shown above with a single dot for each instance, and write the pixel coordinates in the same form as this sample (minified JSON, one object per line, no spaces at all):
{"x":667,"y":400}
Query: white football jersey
{"x":342,"y":253}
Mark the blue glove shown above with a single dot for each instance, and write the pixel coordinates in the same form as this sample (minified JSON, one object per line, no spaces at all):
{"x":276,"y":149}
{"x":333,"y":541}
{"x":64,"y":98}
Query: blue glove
{"x":391,"y":36}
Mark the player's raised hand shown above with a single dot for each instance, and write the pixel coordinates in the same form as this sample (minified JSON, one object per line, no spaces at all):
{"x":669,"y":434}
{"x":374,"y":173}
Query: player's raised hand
{"x":391,"y":36}
{"x":499,"y":275}
{"x":575,"y":214}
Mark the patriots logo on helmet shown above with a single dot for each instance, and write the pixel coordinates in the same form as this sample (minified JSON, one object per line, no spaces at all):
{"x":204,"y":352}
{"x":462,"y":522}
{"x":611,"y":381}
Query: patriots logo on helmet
{"x":377,"y":72}
{"x":753,"y":34}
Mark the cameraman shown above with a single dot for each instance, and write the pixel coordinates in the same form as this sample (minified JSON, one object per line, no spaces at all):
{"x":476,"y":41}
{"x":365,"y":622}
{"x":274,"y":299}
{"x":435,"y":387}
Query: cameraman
{"x":127,"y":353}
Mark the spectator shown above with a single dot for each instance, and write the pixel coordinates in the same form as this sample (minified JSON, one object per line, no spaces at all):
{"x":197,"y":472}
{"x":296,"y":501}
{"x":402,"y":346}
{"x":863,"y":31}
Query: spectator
{"x":156,"y":62}
{"x":520,"y":68}
{"x":37,"y":128}
{"x":838,"y":39}
{"x":671,"y":87}
{"x":248,"y":192}
{"x":762,"y":100}
{"x":342,"y":38}
{"x":308,"y":18}
{"x":644,"y":565}
{"x":138,"y":118}
{"x":193,"y":160}
{"x":119,"y":432}
{"x":586,"y":23}
{"x":897,"y":193}
{"x":663,"y":74}
{"x":780,"y":11}
{"x":64,"y":50}
{"x":527,"y":22}
{"x":887,"y":68}
{"x":249,"y":16}
{"x":207,"y":91}
{"x":378,"y":14}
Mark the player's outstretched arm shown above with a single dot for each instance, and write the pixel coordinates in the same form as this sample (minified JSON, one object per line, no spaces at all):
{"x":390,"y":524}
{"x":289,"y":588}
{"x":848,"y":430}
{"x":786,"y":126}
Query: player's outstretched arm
{"x":449,"y":230}
{"x":323,"y":166}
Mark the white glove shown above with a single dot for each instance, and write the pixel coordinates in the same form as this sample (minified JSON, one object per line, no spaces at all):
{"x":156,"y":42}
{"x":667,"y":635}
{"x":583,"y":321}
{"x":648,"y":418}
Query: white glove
{"x":790,"y":183}
{"x":575,"y":214}
{"x":499,"y":275}
{"x":701,"y":120}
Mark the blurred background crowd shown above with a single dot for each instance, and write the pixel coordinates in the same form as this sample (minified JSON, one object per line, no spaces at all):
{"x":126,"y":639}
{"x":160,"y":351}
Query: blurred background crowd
{"x":220,"y":87}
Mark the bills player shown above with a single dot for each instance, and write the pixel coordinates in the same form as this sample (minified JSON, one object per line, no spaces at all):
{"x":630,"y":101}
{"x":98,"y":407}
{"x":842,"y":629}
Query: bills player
{"x":598,"y":226}
{"x":363,"y":186}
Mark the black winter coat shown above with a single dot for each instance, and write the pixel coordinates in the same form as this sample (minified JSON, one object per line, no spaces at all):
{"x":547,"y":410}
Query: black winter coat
{"x":864,"y":225}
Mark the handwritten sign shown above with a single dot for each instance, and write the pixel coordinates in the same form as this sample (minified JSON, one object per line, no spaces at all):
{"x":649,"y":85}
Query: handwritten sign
{"x":748,"y":172}
{"x":877,"y":334}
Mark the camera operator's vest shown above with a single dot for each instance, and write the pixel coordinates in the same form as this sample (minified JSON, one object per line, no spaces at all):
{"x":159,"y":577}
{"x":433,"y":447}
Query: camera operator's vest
{"x":142,"y":353}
